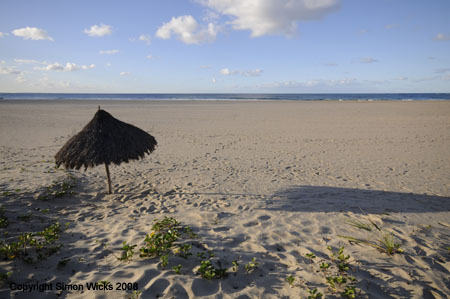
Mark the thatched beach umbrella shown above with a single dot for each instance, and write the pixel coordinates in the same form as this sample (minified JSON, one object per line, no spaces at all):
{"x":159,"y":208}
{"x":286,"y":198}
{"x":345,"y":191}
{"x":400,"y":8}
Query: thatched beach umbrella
{"x":105,"y":140}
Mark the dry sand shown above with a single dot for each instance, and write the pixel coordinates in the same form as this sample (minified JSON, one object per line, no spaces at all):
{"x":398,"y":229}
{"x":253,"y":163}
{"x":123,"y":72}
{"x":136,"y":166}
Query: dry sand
{"x":266,"y":180}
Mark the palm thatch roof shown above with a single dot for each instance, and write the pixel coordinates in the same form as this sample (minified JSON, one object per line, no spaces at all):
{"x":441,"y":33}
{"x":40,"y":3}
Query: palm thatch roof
{"x":105,"y":140}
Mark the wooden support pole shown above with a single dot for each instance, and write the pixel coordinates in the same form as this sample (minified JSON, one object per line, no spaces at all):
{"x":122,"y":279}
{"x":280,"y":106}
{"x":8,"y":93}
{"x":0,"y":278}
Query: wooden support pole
{"x":109,"y":178}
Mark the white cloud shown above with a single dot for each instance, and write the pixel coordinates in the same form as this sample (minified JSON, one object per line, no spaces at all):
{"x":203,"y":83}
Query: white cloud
{"x":309,"y":83}
{"x":8,"y":70}
{"x":109,"y":52}
{"x":69,"y":67}
{"x":214,"y":80}
{"x":3,"y":34}
{"x":252,"y":73}
{"x":271,"y":16}
{"x":149,"y":56}
{"x":249,"y":73}
{"x":32,"y":33}
{"x":20,"y":78}
{"x":376,"y":82}
{"x":98,"y":30}
{"x":210,"y":16}
{"x":27,"y":61}
{"x":145,"y":38}
{"x":73,"y":67}
{"x":87,"y":67}
{"x":368,"y":60}
{"x":344,"y":81}
{"x":187,"y":30}
{"x":125,"y":73}
{"x":442,"y":37}
{"x":52,"y":67}
{"x":227,"y":72}
{"x":47,"y":83}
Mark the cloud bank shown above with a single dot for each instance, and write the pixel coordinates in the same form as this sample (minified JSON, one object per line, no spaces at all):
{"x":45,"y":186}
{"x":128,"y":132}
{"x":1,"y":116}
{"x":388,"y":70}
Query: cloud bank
{"x":32,"y":33}
{"x":249,"y":73}
{"x":109,"y":52}
{"x":98,"y":30}
{"x":145,"y":38}
{"x":271,"y":16}
{"x":186,"y":29}
{"x":69,"y":67}
{"x":27,"y":61}
{"x":7,"y":70}
{"x":368,"y":60}
{"x":310,"y":83}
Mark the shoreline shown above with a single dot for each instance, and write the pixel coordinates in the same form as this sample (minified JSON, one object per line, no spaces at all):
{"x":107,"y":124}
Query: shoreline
{"x":10,"y":101}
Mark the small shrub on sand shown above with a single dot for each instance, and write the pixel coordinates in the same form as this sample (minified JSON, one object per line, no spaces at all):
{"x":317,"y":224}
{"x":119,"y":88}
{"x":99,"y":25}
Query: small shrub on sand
{"x":251,"y":266}
{"x":4,"y":277}
{"x":59,"y":188}
{"x":168,"y":238}
{"x":311,"y":256}
{"x":3,"y":219}
{"x":335,"y":271}
{"x":235,"y":266}
{"x":290,"y":279}
{"x":177,"y":269}
{"x":162,"y":238}
{"x":127,"y":252}
{"x":29,"y":246}
{"x":135,"y":295}
{"x":314,"y":293}
{"x":382,"y":241}
{"x":208,"y":271}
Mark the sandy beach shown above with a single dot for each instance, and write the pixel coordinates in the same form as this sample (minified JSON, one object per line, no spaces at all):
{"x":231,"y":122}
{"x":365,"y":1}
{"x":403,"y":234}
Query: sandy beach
{"x":267,"y":185}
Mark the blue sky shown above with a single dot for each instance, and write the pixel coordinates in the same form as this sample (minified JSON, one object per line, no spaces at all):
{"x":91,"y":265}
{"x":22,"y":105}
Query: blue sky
{"x":203,"y":46}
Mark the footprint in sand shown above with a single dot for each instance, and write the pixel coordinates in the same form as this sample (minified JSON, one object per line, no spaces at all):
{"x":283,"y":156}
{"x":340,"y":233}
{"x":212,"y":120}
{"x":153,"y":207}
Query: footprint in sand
{"x":156,"y":289}
{"x":147,"y":276}
{"x":325,"y":230}
{"x":121,"y":275}
{"x":125,"y":231}
{"x":176,"y":291}
{"x":202,"y":287}
{"x":251,"y":223}
{"x":221,"y":229}
{"x":151,"y":208}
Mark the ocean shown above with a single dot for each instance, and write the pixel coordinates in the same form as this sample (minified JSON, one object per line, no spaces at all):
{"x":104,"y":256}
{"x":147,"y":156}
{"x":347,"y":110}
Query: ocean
{"x":231,"y":96}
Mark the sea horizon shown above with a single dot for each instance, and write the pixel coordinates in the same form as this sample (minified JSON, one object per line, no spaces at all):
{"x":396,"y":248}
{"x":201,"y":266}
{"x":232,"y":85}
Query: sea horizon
{"x":230,"y":96}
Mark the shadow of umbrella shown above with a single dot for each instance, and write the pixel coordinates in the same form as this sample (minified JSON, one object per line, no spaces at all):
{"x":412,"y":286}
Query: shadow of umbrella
{"x":335,"y":199}
{"x":105,"y":140}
